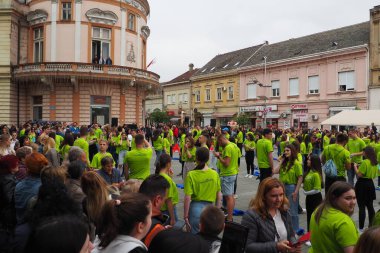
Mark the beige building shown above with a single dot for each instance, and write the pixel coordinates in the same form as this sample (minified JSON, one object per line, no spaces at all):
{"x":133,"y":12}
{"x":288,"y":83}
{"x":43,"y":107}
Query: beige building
{"x":153,"y":101}
{"x":176,"y":97}
{"x":374,"y":59}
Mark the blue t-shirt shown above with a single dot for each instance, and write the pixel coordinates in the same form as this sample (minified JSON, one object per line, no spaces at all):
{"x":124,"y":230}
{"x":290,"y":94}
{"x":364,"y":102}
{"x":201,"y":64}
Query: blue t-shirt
{"x":110,"y":179}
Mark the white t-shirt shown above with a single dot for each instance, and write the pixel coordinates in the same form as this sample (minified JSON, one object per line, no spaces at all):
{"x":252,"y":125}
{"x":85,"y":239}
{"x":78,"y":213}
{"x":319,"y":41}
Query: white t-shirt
{"x":280,"y":227}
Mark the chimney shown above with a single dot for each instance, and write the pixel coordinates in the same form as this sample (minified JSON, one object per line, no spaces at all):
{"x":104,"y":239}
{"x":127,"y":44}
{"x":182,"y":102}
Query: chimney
{"x":191,"y":67}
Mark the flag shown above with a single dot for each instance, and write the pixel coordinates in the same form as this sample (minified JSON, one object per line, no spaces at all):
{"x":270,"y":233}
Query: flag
{"x":151,"y":63}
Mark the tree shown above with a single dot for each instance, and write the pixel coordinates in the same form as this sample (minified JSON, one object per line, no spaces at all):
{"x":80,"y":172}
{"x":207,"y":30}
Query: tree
{"x":243,"y":120}
{"x":157,"y":116}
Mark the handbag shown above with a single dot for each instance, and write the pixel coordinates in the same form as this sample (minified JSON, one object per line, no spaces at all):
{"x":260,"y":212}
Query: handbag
{"x":330,"y":168}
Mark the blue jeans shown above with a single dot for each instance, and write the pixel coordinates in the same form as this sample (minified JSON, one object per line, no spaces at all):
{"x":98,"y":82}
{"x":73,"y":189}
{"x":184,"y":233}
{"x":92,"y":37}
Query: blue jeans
{"x":196,"y":208}
{"x":289,"y":189}
{"x":158,"y":154}
{"x":351,"y":175}
{"x":175,"y":213}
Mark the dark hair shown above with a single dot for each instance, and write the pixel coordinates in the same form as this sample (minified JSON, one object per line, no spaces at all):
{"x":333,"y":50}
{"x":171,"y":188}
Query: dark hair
{"x":76,"y":169}
{"x":370,"y":154}
{"x":369,"y":241}
{"x":106,"y":160}
{"x":288,"y":162}
{"x":202,"y":156}
{"x":121,"y":217}
{"x":68,"y":140}
{"x":52,"y":135}
{"x":58,"y":234}
{"x":163,"y":160}
{"x":336,"y":190}
{"x":316,"y":165}
{"x":83,"y":131}
{"x":156,"y":134}
{"x":7,"y":163}
{"x":341,"y":138}
{"x":139,"y":139}
{"x":154,"y":185}
{"x":267,"y":131}
{"x":332,"y":140}
{"x":212,"y":220}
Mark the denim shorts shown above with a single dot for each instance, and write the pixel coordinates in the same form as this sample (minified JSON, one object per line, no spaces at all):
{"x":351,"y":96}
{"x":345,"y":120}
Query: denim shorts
{"x":227,"y":185}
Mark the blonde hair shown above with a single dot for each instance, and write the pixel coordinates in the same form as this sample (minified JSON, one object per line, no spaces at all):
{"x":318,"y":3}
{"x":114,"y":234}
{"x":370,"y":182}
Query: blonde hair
{"x":49,"y":143}
{"x":132,"y":185}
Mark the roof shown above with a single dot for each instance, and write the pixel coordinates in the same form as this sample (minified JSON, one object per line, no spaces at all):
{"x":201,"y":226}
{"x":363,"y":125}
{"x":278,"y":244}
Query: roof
{"x":182,"y":78}
{"x":345,"y":37}
{"x":354,"y":118}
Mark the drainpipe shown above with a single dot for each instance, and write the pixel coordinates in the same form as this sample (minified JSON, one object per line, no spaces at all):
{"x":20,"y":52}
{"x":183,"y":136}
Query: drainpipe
{"x":18,"y":63}
{"x":367,"y":76}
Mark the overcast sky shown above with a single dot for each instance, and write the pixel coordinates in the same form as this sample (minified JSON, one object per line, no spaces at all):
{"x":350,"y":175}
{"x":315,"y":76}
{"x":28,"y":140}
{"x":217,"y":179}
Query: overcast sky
{"x":184,"y":32}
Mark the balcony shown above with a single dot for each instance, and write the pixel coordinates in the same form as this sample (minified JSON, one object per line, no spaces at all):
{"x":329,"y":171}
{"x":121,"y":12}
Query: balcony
{"x":85,"y":71}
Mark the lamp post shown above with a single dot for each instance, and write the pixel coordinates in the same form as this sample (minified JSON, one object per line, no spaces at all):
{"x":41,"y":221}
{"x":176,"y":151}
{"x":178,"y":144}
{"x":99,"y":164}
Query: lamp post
{"x":265,"y":98}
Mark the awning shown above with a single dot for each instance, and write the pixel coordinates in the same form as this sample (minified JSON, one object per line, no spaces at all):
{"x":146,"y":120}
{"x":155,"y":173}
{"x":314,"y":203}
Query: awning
{"x":354,"y":118}
{"x":223,"y":114}
{"x":174,"y":119}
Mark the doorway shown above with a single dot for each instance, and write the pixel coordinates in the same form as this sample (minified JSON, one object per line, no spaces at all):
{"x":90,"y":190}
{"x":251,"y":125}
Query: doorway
{"x":100,"y":110}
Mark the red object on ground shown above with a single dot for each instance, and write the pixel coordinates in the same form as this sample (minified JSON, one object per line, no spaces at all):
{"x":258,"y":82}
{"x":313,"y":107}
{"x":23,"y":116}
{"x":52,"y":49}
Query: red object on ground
{"x":175,"y":148}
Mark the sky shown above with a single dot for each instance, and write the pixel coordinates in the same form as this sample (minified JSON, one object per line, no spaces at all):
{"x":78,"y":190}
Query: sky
{"x":184,"y":32}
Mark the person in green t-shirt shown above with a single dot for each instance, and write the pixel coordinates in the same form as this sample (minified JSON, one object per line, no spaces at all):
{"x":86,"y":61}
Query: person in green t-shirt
{"x":167,"y":145}
{"x":66,"y":144}
{"x":264,"y":149}
{"x":341,"y":158}
{"x":290,"y":170}
{"x":163,"y":168}
{"x":249,"y":147}
{"x":312,"y":185}
{"x":158,"y":144}
{"x":122,"y":149}
{"x":96,"y":160}
{"x":333,"y":230}
{"x":137,"y":161}
{"x":82,"y":142}
{"x":240,"y":139}
{"x":202,"y":188}
{"x":355,"y":146}
{"x":188,"y":155}
{"x":182,"y":139}
{"x":364,"y":187}
{"x":98,"y":131}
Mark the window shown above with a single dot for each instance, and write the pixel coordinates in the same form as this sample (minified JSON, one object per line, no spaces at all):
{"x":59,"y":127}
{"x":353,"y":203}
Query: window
{"x":66,"y":11}
{"x":251,"y":91}
{"x":219,"y":93}
{"x":197,"y":96}
{"x":132,"y":22}
{"x":293,"y":87}
{"x":37,"y":107}
{"x":169,"y":99}
{"x":313,"y":84}
{"x":231,"y":92}
{"x":174,"y":100}
{"x":38,"y":41}
{"x":275,"y":88}
{"x":346,"y":81}
{"x":101,"y":44}
{"x":185,"y":98}
{"x":180,"y":97}
{"x":208,"y":94}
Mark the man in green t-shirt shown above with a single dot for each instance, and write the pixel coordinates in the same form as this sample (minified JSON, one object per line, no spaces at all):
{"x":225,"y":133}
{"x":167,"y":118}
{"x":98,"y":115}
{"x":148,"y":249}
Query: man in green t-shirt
{"x":264,"y":149}
{"x":341,"y":158}
{"x":96,"y":162}
{"x":137,"y":161}
{"x":228,"y":166}
{"x":82,"y":143}
{"x":355,"y":146}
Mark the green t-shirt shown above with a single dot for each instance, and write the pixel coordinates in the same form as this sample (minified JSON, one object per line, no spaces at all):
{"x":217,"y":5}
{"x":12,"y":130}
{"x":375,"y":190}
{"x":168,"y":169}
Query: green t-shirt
{"x":232,"y":152}
{"x":172,"y":192}
{"x":249,"y":145}
{"x":366,"y":140}
{"x":282,"y":146}
{"x":202,"y":185}
{"x":299,"y":158}
{"x":239,"y":137}
{"x":182,"y":141}
{"x":22,"y":132}
{"x":303,"y":149}
{"x":377,"y":148}
{"x":192,"y":151}
{"x":83,"y":144}
{"x":58,"y":141}
{"x":133,"y":144}
{"x":158,"y":144}
{"x":356,"y":146}
{"x":309,"y":148}
{"x":64,"y":150}
{"x":138,"y":161}
{"x":99,"y":133}
{"x":340,"y":157}
{"x":376,"y":219}
{"x":123,"y":146}
{"x":335,"y":231}
{"x":167,"y":145}
{"x":263,"y":148}
{"x":96,"y":160}
{"x":312,"y":181}
{"x":326,"y":141}
{"x":291,"y":175}
{"x":171,"y":136}
{"x":368,"y":170}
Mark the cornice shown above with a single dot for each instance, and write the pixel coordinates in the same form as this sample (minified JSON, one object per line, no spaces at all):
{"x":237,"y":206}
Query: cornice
{"x":220,"y":74}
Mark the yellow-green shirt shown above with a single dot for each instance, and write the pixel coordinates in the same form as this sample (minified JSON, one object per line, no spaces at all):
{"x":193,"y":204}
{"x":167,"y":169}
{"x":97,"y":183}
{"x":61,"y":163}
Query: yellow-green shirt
{"x":58,"y":141}
{"x":312,"y":181}
{"x":96,"y":160}
{"x":232,"y":152}
{"x":291,"y":175}
{"x":172,"y":192}
{"x":158,"y":144}
{"x":368,"y":170}
{"x":192,"y":151}
{"x":263,"y":148}
{"x":249,"y":145}
{"x":167,"y":145}
{"x":340,"y":156}
{"x":138,"y":161}
{"x":202,"y":185}
{"x":83,"y":144}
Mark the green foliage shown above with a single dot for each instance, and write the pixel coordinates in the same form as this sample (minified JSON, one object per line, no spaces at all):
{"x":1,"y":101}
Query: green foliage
{"x":243,"y":119}
{"x":157,"y":116}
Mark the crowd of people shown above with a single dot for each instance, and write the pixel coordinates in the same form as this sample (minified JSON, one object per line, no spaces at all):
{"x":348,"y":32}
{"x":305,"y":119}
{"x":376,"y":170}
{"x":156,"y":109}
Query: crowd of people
{"x":69,"y":188}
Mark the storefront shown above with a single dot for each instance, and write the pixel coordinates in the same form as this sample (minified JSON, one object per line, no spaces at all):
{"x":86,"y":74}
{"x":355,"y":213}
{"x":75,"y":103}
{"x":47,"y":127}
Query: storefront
{"x":100,"y":109}
{"x":261,"y":113}
{"x":300,"y":115}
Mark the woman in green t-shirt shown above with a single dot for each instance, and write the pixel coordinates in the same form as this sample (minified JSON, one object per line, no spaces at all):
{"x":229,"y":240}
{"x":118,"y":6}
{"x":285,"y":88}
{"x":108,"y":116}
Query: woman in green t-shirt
{"x":290,"y":170}
{"x":249,"y":147}
{"x":333,"y":230}
{"x":202,"y":188}
{"x":364,"y":187}
{"x":188,"y":155}
{"x":163,"y":168}
{"x":158,"y":144}
{"x":66,"y":144}
{"x":312,"y":185}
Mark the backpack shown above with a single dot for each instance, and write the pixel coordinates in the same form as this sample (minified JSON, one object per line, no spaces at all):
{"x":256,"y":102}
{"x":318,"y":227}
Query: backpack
{"x":330,"y":168}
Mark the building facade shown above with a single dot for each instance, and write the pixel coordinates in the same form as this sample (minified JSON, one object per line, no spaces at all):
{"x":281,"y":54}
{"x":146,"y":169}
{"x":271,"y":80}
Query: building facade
{"x":374,"y":59}
{"x":153,"y":101}
{"x":82,"y":61}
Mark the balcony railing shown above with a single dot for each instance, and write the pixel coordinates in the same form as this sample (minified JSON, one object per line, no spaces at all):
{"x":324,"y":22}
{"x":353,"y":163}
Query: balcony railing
{"x":68,"y":68}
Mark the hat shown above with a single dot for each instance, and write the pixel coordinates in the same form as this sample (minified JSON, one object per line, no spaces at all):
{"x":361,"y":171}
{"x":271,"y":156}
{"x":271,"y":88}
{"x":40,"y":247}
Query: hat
{"x":35,"y":162}
{"x":225,"y":129}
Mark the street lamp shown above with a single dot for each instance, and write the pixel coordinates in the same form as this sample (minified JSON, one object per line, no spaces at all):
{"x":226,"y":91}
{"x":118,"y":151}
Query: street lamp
{"x":265,"y":98}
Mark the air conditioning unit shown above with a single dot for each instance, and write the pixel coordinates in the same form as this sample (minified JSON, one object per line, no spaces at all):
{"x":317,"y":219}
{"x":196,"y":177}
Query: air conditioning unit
{"x":314,"y":117}
{"x":224,"y":88}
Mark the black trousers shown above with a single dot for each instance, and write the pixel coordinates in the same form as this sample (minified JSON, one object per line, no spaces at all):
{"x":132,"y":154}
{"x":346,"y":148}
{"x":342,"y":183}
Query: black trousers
{"x":330,"y":180}
{"x":249,"y":159}
{"x":264,"y":173}
{"x":365,"y":195}
{"x":312,"y":202}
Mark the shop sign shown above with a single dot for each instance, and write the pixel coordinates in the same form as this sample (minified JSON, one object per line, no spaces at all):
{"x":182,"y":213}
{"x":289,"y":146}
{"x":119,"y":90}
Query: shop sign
{"x":301,"y":116}
{"x":298,"y":107}
{"x":171,"y":113}
{"x":259,"y":108}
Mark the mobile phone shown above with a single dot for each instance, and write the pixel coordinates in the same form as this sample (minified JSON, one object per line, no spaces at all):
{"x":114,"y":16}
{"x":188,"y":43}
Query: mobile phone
{"x":165,"y":219}
{"x":179,"y":224}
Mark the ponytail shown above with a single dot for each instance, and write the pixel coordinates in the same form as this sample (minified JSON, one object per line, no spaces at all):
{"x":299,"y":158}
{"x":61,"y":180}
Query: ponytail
{"x":200,"y":166}
{"x":109,"y":223}
{"x":162,"y":163}
{"x":202,"y":156}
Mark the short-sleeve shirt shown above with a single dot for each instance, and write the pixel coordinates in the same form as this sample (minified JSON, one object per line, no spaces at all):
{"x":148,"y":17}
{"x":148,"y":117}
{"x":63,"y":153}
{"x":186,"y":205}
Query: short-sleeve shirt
{"x":249,"y":145}
{"x":340,"y":157}
{"x":138,"y":161}
{"x":290,"y":176}
{"x":58,"y":141}
{"x":97,"y":159}
{"x":232,"y":152}
{"x":239,"y":137}
{"x":335,"y":231}
{"x":263,"y":148}
{"x":99,"y":133}
{"x":192,"y":151}
{"x":158,"y":144}
{"x":355,"y":146}
{"x":172,"y":192}
{"x":368,"y":170}
{"x":167,"y":145}
{"x":83,"y":144}
{"x":110,"y":179}
{"x":202,"y":185}
{"x":312,"y":181}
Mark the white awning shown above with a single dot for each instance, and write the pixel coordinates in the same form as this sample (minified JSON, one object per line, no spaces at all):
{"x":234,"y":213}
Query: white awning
{"x":354,"y":118}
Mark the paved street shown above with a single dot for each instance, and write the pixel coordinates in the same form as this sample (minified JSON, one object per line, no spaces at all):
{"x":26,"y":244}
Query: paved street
{"x":247,"y":189}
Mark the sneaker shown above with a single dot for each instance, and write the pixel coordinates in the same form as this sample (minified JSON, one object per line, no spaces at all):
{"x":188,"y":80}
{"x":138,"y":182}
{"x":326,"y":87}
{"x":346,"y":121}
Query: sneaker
{"x":250,"y":176}
{"x":308,"y":243}
{"x":236,"y":196}
{"x":247,"y":175}
{"x":361,"y":230}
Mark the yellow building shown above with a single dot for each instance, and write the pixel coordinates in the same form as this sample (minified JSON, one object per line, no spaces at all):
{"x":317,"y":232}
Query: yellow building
{"x":374,"y":59}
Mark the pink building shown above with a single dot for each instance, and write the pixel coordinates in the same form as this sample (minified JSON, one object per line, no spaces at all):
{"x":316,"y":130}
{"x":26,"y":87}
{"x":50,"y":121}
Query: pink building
{"x":301,"y":82}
